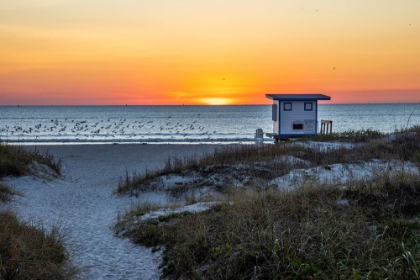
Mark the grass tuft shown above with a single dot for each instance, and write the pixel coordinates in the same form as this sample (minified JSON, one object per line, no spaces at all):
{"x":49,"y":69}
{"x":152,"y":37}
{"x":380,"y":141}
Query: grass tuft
{"x":6,"y":193}
{"x":354,"y":136}
{"x":14,"y":160}
{"x":31,"y":253}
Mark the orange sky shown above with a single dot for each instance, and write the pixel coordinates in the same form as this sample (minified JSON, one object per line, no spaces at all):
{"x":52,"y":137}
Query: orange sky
{"x":58,"y":52}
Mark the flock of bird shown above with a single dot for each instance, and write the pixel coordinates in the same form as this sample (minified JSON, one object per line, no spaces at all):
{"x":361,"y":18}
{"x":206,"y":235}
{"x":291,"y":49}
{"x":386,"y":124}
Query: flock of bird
{"x":110,"y":128}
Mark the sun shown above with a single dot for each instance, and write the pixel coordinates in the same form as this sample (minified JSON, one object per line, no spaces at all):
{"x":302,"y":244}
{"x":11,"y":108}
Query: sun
{"x":216,"y":101}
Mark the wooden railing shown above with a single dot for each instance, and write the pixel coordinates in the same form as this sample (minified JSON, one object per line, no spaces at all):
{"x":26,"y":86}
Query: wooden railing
{"x":326,"y":126}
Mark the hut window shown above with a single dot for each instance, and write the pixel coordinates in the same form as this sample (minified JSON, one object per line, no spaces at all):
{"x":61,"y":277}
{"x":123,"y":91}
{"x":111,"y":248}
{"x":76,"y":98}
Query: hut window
{"x":308,"y":106}
{"x":297,"y":126}
{"x":287,"y":106}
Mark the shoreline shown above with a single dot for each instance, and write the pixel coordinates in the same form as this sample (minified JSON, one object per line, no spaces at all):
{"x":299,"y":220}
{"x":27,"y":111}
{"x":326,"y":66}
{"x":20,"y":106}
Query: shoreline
{"x":25,"y":144}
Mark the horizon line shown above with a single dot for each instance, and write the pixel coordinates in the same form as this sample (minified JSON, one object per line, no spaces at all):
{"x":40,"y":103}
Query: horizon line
{"x":181,"y":105}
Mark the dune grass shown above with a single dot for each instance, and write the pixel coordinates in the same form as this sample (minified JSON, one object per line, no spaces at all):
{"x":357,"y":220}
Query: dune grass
{"x":28,"y":251}
{"x":354,"y":136}
{"x":366,"y":229}
{"x":14,"y":160}
{"x":367,"y":145}
{"x":369,"y":229}
{"x":6,"y":193}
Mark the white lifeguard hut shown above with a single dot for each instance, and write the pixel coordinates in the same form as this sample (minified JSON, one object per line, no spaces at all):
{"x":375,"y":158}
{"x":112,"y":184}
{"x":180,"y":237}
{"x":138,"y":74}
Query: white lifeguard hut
{"x":294,"y":115}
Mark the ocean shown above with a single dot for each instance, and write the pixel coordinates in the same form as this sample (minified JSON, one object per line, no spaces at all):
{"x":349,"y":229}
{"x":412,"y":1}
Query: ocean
{"x":180,"y":124}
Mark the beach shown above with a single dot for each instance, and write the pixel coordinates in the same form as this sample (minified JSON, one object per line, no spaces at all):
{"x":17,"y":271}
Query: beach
{"x":81,"y":202}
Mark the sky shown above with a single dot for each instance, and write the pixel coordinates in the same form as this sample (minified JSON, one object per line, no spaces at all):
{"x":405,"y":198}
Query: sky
{"x":152,"y":52}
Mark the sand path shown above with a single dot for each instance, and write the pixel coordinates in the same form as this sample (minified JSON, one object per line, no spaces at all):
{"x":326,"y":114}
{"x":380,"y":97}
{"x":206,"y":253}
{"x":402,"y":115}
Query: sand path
{"x":83,"y":205}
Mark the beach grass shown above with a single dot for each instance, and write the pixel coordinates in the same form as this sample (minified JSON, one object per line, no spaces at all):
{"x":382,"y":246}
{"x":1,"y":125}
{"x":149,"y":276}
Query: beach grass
{"x":369,"y":229}
{"x":361,"y":229}
{"x":28,"y":251}
{"x":268,"y":161}
{"x":14,"y":160}
{"x":6,"y":193}
{"x":354,"y":136}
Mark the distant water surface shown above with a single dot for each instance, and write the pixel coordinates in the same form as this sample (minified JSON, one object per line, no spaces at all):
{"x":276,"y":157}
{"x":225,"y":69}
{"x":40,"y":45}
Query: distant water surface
{"x":386,"y":118}
{"x":180,"y":124}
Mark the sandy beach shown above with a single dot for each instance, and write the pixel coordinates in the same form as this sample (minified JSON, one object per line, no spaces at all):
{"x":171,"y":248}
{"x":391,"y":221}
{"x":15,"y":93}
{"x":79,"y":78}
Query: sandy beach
{"x":82,"y":204}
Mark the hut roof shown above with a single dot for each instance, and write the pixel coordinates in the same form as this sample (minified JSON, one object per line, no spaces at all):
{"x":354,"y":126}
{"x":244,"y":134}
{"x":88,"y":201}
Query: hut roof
{"x":298,"y":97}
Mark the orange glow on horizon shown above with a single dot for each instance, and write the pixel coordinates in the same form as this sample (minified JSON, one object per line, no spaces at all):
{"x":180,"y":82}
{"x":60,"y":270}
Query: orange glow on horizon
{"x":216,"y":101}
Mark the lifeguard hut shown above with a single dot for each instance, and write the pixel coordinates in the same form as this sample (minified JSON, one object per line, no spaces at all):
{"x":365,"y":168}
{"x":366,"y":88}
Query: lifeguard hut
{"x":294,"y":115}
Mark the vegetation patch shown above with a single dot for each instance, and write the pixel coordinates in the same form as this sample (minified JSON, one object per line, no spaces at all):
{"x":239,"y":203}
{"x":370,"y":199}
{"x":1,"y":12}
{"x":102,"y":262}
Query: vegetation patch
{"x":27,"y":252}
{"x":364,"y":229}
{"x":14,"y":160}
{"x":319,"y":232}
{"x":243,"y":165}
{"x":6,"y":193}
{"x":354,"y":136}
